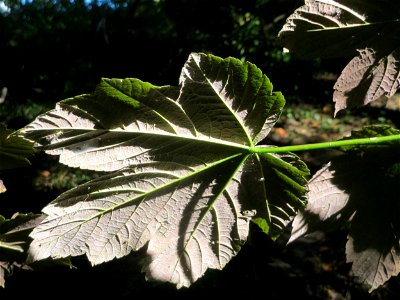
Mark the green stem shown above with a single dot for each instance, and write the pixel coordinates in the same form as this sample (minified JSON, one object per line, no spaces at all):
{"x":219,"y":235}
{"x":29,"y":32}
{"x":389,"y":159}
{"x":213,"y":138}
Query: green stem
{"x":11,"y":247}
{"x":327,"y":145}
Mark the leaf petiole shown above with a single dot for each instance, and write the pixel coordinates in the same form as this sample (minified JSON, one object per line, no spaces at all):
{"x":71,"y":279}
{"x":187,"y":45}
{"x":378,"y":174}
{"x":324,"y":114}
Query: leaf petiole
{"x":326,"y":145}
{"x":11,"y":247}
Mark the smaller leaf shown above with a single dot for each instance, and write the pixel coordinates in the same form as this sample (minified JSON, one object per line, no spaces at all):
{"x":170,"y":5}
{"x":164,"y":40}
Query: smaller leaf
{"x":326,"y":208}
{"x":285,"y":187}
{"x":360,"y":190}
{"x":14,"y":232}
{"x":373,"y":243}
{"x":367,"y":77}
{"x":337,"y":27}
{"x":14,"y":149}
{"x":14,"y":241}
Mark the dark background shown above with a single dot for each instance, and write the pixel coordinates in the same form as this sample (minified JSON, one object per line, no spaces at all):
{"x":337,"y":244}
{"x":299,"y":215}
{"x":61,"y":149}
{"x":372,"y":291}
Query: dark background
{"x":52,"y":50}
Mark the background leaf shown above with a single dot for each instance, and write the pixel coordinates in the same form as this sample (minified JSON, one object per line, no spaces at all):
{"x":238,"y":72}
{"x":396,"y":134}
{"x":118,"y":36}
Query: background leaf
{"x":329,"y":29}
{"x":14,"y":241}
{"x":187,"y":182}
{"x":356,"y":191}
{"x":327,"y":204}
{"x":367,"y":77}
{"x":14,"y":149}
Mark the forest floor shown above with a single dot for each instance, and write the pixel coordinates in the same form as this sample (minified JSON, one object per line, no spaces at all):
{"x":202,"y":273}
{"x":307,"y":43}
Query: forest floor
{"x":308,"y":268}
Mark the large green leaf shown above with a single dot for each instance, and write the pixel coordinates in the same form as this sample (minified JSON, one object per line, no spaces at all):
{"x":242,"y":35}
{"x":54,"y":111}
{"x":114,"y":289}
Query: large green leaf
{"x":366,"y":29}
{"x":359,"y":191}
{"x":186,"y":176}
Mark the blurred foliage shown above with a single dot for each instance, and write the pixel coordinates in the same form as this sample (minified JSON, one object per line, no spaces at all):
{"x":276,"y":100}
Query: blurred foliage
{"x":60,"y":178}
{"x":15,"y":114}
{"x":52,"y":50}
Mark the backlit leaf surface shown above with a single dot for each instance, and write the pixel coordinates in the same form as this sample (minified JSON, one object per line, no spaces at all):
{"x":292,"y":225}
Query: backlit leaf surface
{"x":185,"y":175}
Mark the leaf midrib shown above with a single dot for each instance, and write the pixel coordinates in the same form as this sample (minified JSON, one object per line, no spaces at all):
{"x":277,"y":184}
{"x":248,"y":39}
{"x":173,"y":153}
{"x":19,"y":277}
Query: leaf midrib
{"x":183,"y":137}
{"x":249,"y":140}
{"x":209,"y":207}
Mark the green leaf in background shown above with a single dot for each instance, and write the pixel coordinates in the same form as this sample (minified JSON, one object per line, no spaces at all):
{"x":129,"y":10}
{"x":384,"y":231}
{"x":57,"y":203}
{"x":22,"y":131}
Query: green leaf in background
{"x":14,"y":149}
{"x":366,"y":29}
{"x":185,"y":177}
{"x":358,"y":191}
